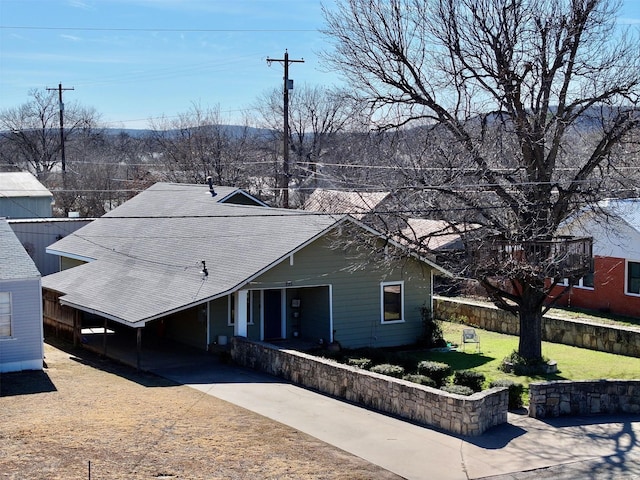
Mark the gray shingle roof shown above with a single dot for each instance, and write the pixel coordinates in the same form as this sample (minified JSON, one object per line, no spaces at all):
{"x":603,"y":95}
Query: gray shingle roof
{"x":147,"y":253}
{"x":15,"y":262}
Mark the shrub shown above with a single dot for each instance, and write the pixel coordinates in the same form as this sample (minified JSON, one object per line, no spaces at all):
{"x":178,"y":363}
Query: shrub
{"x":431,"y":336}
{"x":364,"y":363}
{"x":421,"y":379}
{"x":469,"y":378}
{"x":405,"y":359}
{"x":457,"y":389}
{"x":329,"y":355}
{"x":515,"y":392}
{"x":438,"y":371}
{"x":523,"y":366}
{"x":376,"y":355}
{"x":387,"y":369}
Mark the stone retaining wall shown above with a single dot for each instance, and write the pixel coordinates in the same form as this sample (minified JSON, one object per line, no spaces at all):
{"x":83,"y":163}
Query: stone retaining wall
{"x":457,"y":414}
{"x":604,"y":338}
{"x":560,"y":398}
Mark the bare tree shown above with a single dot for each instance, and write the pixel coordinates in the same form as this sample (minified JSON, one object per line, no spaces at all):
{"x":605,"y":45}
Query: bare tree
{"x":31,"y":136}
{"x":530,"y":103}
{"x":317,"y":116}
{"x":104,"y":169}
{"x":197,"y":145}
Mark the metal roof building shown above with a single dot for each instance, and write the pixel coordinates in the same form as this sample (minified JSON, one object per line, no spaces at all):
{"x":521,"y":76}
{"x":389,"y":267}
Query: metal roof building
{"x":23,"y":196}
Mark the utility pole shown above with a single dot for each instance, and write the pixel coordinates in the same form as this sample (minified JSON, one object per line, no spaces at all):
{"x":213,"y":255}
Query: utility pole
{"x":288,"y":85}
{"x":64,"y":162}
{"x":61,"y":104}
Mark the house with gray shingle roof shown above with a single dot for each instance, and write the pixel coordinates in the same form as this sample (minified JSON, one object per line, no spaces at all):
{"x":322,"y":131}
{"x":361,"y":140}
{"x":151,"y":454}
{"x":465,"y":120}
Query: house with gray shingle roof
{"x":21,"y":346}
{"x":178,"y":262}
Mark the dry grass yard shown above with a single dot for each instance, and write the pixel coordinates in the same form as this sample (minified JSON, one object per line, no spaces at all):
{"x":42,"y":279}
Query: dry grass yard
{"x":132,"y":425}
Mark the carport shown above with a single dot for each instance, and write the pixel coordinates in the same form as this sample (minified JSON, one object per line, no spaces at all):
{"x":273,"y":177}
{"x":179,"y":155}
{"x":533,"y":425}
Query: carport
{"x":153,"y":345}
{"x":150,"y":354}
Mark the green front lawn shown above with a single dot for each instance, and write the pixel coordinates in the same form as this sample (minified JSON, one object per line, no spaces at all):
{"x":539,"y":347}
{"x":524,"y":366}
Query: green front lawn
{"x":573,"y":363}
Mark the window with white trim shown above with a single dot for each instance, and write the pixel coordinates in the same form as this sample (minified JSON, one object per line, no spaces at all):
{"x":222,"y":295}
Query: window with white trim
{"x":584,"y":282}
{"x":232,"y":309}
{"x":392,"y":302}
{"x":5,"y":314}
{"x":633,"y":278}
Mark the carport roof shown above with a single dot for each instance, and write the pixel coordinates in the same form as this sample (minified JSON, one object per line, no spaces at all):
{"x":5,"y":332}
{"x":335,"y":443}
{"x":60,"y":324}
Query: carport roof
{"x":145,"y":257}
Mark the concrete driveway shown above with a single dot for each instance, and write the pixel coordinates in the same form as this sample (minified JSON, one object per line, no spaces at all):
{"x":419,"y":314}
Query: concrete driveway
{"x":524,"y":448}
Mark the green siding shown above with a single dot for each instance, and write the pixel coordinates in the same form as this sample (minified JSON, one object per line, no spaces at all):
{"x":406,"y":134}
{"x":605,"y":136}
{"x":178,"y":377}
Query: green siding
{"x":356,"y":291}
{"x":241,"y":199}
{"x":253,"y":329}
{"x":188,"y":327}
{"x":66,"y":263}
{"x":312,"y":322}
{"x":219,"y":318}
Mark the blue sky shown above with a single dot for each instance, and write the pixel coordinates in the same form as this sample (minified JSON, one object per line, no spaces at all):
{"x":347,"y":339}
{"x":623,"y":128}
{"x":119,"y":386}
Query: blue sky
{"x":138,"y":59}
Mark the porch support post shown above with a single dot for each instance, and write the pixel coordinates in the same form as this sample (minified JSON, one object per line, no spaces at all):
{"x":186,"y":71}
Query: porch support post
{"x":330,"y":313}
{"x":208,"y":315}
{"x":283,"y":313}
{"x":104,"y":337}
{"x":77,"y":328}
{"x":138,"y":346}
{"x":240,"y":321}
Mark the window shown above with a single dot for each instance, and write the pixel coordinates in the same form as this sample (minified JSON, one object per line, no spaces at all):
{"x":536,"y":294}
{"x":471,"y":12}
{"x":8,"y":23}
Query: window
{"x":232,"y":309}
{"x":231,"y":319}
{"x":5,"y":314}
{"x":633,"y":278}
{"x":392,"y":302}
{"x":584,"y":282}
{"x":587,"y":281}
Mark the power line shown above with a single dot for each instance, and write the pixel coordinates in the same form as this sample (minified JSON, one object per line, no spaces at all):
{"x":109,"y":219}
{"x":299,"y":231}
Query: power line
{"x":364,"y":188}
{"x":148,"y":29}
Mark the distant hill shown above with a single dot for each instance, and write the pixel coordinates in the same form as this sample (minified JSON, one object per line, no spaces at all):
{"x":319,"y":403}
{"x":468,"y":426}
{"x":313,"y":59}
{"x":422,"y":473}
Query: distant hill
{"x":233,"y":130}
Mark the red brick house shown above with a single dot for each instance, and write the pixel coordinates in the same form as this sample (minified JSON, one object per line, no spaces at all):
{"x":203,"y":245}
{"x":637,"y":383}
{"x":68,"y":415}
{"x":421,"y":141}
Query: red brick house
{"x":614,"y":285}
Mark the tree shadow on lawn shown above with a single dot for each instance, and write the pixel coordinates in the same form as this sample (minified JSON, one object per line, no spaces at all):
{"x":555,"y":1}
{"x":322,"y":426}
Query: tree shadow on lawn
{"x":457,"y":360}
{"x":27,"y":382}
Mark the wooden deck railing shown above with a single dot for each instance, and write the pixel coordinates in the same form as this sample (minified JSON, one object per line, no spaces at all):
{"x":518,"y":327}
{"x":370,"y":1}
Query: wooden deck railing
{"x":564,"y":257}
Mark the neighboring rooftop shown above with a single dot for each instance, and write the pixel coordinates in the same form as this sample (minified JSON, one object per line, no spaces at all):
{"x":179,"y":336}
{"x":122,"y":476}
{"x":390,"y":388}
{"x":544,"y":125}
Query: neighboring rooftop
{"x":341,"y":202}
{"x":21,"y":184}
{"x":15,"y":262}
{"x":627,"y":209}
{"x":430,"y":234}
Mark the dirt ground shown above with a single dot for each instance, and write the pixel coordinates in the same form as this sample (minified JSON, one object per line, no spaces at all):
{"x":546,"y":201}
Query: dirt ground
{"x":85,"y":417}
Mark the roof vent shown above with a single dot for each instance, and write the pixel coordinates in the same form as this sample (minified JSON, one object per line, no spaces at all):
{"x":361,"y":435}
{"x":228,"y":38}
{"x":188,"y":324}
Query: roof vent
{"x":210,"y":182}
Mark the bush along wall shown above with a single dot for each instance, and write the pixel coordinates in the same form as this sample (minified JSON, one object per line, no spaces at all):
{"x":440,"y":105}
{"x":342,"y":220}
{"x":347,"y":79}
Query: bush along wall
{"x":462,"y":415}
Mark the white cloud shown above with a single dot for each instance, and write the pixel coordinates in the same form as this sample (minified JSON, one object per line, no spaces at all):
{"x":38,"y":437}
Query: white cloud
{"x":80,"y":4}
{"x":73,"y":38}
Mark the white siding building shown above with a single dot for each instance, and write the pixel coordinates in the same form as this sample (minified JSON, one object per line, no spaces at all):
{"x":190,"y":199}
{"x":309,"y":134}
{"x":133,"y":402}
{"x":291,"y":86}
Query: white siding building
{"x":21,"y":332}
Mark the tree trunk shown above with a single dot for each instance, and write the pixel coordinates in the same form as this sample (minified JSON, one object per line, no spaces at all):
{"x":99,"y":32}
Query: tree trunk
{"x":530,"y":344}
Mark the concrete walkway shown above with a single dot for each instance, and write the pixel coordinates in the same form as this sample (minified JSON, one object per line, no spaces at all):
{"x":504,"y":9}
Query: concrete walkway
{"x":524,"y":448}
